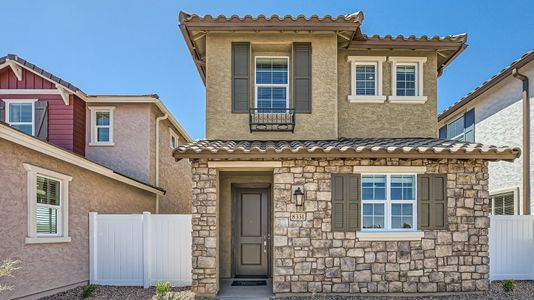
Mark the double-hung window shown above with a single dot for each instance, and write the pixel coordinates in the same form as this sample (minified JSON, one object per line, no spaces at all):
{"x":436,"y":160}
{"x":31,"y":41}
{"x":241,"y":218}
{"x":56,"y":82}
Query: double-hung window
{"x":47,"y":205}
{"x":366,"y":79}
{"x":388,"y":202}
{"x":407,"y":79}
{"x":102,"y":125}
{"x":272,"y":84}
{"x":20,"y":114}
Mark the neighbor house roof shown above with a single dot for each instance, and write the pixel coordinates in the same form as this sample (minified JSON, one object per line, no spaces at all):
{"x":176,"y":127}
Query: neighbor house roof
{"x":18,"y":137}
{"x":348,"y":28}
{"x":346,"y":147}
{"x":486,"y":85}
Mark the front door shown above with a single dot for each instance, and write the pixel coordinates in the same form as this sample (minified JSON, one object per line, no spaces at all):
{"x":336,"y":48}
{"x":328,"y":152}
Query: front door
{"x":251,"y":235}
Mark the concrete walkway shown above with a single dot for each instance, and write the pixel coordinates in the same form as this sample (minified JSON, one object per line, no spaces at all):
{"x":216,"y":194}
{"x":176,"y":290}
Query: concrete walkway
{"x":229,"y":292}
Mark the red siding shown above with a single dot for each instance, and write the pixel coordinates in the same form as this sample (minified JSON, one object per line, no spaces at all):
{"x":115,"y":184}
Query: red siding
{"x":63,"y":131}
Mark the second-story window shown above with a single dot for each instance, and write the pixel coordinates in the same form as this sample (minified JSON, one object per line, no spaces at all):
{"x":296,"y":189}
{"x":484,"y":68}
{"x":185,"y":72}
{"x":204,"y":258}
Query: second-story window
{"x":272,"y":84}
{"x":20,"y":115}
{"x":366,"y":79}
{"x":461,"y":129}
{"x":407,"y":79}
{"x":102,"y":125}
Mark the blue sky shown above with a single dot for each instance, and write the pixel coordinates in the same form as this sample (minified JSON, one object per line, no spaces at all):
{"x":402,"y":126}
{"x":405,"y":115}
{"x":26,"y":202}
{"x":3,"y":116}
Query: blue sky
{"x":135,"y":47}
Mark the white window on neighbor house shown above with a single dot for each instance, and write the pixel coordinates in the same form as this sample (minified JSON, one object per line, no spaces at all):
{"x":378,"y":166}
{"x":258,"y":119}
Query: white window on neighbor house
{"x":366,"y":79}
{"x":20,"y":114}
{"x":503,"y":203}
{"x":48,"y":202}
{"x":102,"y":125}
{"x":173,"y":142}
{"x":388,"y":202}
{"x":272,"y":84}
{"x":407,"y":80}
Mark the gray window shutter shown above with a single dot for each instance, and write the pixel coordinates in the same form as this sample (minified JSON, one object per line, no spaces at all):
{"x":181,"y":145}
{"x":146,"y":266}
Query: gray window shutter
{"x":345,"y":202}
{"x":443,"y":132}
{"x":432,"y":201}
{"x":41,"y":120}
{"x":240,"y":77}
{"x":2,"y":111}
{"x":302,"y":80}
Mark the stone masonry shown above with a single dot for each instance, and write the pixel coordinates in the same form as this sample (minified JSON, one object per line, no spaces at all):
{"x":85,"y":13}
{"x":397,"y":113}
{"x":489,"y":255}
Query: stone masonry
{"x":308,"y":257}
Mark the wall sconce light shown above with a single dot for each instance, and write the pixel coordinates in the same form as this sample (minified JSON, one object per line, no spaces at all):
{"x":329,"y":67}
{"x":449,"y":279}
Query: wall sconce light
{"x":298,"y":194}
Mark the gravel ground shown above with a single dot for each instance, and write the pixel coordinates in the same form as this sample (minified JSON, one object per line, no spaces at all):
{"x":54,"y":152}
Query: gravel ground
{"x":523,"y":290}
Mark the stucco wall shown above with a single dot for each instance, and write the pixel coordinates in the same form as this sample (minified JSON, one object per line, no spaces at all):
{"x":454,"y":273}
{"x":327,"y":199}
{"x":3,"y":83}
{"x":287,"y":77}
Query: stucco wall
{"x":222,"y":124}
{"x":387,"y":119}
{"x":130,"y":153}
{"x":498,"y":121}
{"x":50,"y":266}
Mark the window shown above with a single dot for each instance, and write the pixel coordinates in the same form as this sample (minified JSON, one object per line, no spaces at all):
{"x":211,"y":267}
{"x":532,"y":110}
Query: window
{"x":407,"y":79}
{"x":272,"y":84}
{"x":366,"y":79}
{"x":173,"y":139}
{"x":503,"y":204}
{"x":101,"y":125}
{"x":20,"y":114}
{"x":47,"y":205}
{"x":388,"y":202}
{"x":461,"y":129}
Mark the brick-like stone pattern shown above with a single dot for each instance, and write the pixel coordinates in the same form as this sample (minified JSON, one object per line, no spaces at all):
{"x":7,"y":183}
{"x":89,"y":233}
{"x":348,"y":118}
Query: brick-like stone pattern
{"x":204,"y":219}
{"x":310,"y":258}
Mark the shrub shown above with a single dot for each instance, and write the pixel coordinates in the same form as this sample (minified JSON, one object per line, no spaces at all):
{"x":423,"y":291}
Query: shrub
{"x":7,"y":268}
{"x":88,"y":290}
{"x":508,"y":285}
{"x":163,"y":291}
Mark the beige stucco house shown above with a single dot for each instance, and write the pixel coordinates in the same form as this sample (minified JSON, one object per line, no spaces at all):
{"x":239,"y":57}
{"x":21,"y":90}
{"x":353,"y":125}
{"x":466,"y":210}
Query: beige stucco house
{"x":321,"y":171}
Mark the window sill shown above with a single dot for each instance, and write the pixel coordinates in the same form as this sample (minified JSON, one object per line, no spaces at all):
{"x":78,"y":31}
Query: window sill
{"x":102,"y":144}
{"x":366,"y":99}
{"x":390,"y":235}
{"x":408,"y":99}
{"x":47,"y":240}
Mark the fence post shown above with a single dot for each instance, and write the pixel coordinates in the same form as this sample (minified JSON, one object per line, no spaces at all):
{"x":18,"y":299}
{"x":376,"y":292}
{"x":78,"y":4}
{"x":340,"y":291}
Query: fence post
{"x":93,"y":235}
{"x":147,"y":245}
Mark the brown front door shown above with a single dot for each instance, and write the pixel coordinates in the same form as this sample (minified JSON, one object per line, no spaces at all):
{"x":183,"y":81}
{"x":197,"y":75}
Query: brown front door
{"x":251,"y":235}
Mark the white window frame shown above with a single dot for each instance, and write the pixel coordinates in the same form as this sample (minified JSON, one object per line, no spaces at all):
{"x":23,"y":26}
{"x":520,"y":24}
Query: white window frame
{"x":172,"y":135}
{"x":376,"y":61}
{"x":256,"y":85}
{"x":418,"y":62}
{"x":388,"y":204}
{"x":514,"y":190}
{"x":8,"y":102}
{"x":94,"y":137}
{"x":62,"y":235}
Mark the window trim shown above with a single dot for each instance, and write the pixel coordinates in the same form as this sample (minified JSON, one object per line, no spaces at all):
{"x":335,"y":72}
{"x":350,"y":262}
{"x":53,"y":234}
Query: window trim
{"x":256,"y":85}
{"x":514,"y":190}
{"x":20,"y":101}
{"x":94,"y":110}
{"x":377,"y":61}
{"x":173,"y":134}
{"x":419,"y":62}
{"x":388,"y":203}
{"x":63,"y":218}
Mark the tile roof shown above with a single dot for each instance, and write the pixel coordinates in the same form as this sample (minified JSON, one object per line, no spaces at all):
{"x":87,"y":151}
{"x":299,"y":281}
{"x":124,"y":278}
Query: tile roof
{"x":346,"y":147}
{"x":456,"y":38}
{"x":495,"y":79}
{"x":40,"y":71}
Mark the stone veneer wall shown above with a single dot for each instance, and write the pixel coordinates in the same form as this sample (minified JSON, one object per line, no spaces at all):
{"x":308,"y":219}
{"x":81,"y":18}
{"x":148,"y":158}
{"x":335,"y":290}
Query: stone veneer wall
{"x":309,"y":258}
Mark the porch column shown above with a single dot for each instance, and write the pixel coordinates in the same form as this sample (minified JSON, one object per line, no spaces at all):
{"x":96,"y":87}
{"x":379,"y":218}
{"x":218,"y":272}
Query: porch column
{"x":204,"y":219}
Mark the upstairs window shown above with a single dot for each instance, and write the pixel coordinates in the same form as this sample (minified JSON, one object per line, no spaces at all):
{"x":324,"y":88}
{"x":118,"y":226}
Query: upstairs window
{"x":20,"y":114}
{"x":407,"y":79}
{"x":461,"y":129}
{"x":366,"y":79}
{"x":503,"y":204}
{"x":102,"y":125}
{"x":272,"y":84}
{"x":173,"y":139}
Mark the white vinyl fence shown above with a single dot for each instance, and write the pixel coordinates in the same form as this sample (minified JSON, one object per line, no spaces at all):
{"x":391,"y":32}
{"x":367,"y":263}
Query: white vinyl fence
{"x":511,"y":241}
{"x":140,"y":250}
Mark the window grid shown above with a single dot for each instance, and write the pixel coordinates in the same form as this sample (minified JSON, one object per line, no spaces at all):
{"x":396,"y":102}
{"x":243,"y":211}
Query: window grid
{"x":390,"y":203}
{"x":366,"y":84}
{"x":272,"y":84}
{"x":406,"y":79}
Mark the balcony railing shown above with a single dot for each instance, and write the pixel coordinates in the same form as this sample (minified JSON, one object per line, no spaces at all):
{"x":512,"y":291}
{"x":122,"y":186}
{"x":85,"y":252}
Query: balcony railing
{"x":272,"y":119}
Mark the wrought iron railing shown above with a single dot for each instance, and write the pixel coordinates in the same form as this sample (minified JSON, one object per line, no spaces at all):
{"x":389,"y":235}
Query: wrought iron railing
{"x":272,"y":119}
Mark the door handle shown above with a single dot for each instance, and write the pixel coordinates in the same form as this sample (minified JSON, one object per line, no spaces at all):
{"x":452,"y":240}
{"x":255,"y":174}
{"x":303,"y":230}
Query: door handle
{"x":264,"y":244}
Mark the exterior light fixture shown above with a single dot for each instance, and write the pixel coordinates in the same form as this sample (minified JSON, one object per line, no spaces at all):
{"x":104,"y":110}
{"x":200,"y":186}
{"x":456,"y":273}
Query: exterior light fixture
{"x":298,"y":194}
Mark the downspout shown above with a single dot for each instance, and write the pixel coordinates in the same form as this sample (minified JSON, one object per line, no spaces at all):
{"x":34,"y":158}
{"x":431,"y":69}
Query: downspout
{"x":158,"y":119}
{"x":526,"y":141}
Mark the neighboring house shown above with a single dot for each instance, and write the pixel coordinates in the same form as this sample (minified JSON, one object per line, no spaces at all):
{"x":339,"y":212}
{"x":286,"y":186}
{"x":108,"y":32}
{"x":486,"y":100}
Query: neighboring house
{"x":65,"y":153}
{"x":493,"y":114}
{"x":321,"y":169}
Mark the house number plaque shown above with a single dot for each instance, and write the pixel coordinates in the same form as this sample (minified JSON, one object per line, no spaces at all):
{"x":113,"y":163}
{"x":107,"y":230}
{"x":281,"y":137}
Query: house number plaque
{"x":297,"y":216}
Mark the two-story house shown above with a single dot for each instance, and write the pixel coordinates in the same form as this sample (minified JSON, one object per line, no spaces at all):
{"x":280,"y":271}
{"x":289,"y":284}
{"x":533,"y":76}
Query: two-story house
{"x":320,"y":172}
{"x":64,"y":153}
{"x":494,"y":113}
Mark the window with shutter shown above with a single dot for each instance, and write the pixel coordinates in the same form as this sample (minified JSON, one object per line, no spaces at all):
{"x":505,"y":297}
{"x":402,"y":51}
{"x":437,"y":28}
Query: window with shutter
{"x":20,"y":114}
